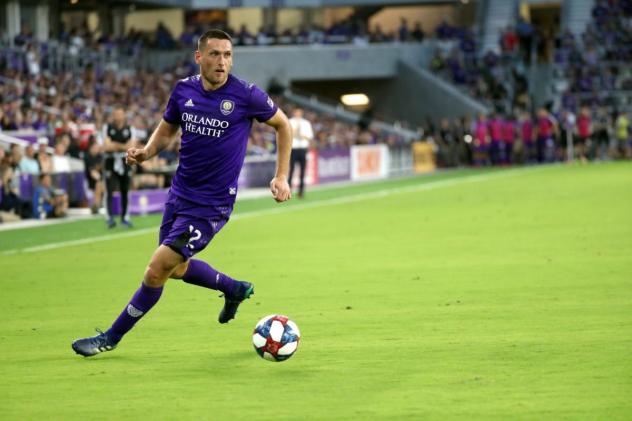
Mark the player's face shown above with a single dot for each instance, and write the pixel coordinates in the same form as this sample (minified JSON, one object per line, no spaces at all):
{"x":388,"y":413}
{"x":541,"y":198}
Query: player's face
{"x":215,"y":60}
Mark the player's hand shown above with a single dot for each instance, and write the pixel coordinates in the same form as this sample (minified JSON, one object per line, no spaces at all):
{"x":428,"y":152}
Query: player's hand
{"x":280,"y":189}
{"x":135,"y":156}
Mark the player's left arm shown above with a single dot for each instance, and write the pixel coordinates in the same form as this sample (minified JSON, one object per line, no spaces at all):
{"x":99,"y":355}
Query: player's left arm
{"x":279,"y":186}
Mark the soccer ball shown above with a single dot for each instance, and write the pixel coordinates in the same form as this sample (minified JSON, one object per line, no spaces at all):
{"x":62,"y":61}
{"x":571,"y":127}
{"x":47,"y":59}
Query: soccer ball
{"x":276,"y":338}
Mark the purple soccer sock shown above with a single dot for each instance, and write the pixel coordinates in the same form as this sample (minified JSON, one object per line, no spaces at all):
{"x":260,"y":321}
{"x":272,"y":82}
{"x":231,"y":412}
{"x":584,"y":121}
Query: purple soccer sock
{"x":142,"y":301}
{"x":202,"y":274}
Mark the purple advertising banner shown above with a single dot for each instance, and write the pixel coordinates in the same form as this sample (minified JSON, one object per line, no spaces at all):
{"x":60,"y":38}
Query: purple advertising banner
{"x":141,"y":202}
{"x":257,"y":172}
{"x":334,"y":165}
{"x":30,"y":136}
{"x":74,"y":183}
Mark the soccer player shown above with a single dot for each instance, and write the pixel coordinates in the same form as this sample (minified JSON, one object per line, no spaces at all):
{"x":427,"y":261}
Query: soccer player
{"x":215,"y":111}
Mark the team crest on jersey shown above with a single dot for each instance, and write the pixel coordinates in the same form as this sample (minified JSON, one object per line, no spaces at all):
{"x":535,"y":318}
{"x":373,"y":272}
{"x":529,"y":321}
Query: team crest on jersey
{"x":227,"y":106}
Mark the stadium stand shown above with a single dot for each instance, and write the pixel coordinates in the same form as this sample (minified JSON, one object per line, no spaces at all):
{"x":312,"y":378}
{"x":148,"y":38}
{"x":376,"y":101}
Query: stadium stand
{"x":57,"y":94}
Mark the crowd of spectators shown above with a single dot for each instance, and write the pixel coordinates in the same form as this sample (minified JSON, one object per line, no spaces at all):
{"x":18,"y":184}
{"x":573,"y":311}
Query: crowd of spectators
{"x":349,"y":30}
{"x":523,"y":137}
{"x":596,"y":68}
{"x":590,"y":113}
{"x":68,"y":108}
{"x":46,"y":202}
{"x":497,"y":78}
{"x":134,"y":42}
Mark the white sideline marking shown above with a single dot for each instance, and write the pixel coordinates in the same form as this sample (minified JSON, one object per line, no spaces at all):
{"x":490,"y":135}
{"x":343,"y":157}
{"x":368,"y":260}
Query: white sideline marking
{"x":321,"y":203}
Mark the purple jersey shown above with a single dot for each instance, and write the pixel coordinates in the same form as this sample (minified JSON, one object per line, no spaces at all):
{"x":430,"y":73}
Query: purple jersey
{"x":215,"y":127}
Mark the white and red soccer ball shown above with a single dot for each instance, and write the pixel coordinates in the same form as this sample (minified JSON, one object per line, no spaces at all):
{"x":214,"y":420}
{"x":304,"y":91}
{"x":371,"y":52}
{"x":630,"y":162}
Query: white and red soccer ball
{"x":276,"y":338}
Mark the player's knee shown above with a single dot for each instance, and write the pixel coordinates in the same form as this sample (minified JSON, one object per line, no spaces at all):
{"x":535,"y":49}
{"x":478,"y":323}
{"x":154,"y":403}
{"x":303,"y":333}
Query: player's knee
{"x":180,"y":270}
{"x":156,"y":274}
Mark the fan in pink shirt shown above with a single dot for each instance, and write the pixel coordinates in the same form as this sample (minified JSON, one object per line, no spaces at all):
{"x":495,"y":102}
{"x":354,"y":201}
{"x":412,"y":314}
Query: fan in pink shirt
{"x":496,"y":133}
{"x":584,"y":132}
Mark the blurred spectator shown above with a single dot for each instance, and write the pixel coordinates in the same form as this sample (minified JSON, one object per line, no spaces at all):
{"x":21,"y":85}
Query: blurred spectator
{"x":525,"y":34}
{"x":568,"y":135}
{"x":527,"y":137}
{"x":444,"y":30}
{"x":601,"y":133}
{"x":584,"y":133}
{"x":49,"y":202}
{"x":622,"y":134}
{"x":509,"y":40}
{"x":15,"y":156}
{"x":10,"y":200}
{"x":93,"y":161}
{"x":546,"y":130}
{"x":28,"y":164}
{"x":403,"y":32}
{"x":302,"y":137}
{"x":44,"y":159}
{"x":61,"y":161}
{"x":417,"y":34}
{"x":496,"y":134}
{"x":164,"y":39}
{"x":448,"y":147}
{"x":509,"y":135}
{"x":482,"y":140}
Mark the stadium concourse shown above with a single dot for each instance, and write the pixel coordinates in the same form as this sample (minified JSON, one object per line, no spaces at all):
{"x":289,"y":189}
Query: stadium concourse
{"x":63,"y":118}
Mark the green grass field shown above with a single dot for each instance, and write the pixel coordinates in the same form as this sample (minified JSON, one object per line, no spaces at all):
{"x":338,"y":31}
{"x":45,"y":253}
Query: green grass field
{"x":500,"y":294}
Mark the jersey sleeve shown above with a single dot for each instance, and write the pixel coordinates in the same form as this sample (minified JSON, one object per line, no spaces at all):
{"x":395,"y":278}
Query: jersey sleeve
{"x":261,"y":105}
{"x":172,"y":112}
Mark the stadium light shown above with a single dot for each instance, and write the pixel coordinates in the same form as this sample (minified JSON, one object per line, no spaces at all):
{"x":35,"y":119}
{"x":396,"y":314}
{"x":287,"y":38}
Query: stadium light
{"x":354,"y":100}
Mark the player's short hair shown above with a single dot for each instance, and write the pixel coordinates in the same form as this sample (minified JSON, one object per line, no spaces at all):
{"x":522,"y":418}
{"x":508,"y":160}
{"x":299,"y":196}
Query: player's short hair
{"x":212,"y":34}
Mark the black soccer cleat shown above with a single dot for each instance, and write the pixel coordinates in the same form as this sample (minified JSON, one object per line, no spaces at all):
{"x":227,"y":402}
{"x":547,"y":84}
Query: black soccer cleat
{"x":231,"y":302}
{"x":94,"y":344}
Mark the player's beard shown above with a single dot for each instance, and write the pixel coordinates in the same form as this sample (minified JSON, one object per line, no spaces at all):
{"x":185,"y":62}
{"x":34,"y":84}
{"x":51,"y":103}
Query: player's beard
{"x":214,"y":79}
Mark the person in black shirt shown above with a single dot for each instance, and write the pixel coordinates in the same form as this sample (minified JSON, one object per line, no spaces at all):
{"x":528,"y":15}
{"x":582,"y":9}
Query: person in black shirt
{"x":117,"y":138}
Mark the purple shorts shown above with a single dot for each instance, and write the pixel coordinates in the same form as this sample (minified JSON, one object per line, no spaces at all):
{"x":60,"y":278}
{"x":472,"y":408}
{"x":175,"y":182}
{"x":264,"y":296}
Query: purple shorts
{"x":187,"y":227}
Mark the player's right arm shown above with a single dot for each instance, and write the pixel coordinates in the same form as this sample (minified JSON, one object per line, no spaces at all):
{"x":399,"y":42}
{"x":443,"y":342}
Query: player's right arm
{"x":159,"y":140}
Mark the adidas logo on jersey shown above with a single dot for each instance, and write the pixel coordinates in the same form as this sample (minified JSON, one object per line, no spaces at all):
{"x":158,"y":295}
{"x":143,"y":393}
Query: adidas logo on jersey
{"x":189,"y":103}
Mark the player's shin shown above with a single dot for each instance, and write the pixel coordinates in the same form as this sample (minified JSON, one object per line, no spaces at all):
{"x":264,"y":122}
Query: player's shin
{"x":142,"y":301}
{"x":202,"y":274}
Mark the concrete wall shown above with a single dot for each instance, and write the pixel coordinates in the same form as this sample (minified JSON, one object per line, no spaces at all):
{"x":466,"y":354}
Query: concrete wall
{"x":289,"y":19}
{"x":429,"y":16}
{"x":252,"y":17}
{"x":148,"y":20}
{"x":415,"y":95}
{"x":321,"y":62}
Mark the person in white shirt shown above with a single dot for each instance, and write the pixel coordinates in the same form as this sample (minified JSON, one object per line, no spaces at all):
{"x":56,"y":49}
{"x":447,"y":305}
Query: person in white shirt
{"x":302,"y":135}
